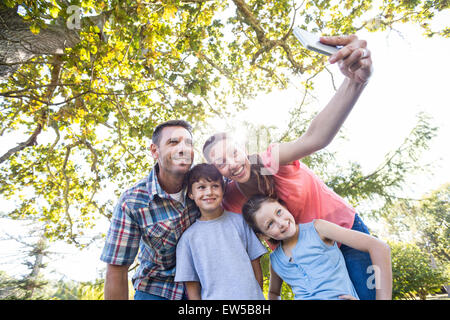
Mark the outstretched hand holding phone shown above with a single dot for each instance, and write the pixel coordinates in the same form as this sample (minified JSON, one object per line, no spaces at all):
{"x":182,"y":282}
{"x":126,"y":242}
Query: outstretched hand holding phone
{"x":354,"y":59}
{"x":349,"y":52}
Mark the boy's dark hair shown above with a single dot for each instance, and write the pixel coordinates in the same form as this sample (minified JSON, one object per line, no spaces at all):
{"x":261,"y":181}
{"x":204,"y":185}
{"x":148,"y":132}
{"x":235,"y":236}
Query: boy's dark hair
{"x":249,"y":211}
{"x":156,"y":137}
{"x":203,"y":171}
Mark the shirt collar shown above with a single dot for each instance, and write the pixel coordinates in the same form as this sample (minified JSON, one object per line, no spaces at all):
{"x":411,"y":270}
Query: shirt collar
{"x":154,"y":188}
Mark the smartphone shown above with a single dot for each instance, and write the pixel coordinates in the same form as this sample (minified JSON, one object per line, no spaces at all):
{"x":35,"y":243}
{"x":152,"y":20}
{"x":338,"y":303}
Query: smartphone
{"x":311,"y":41}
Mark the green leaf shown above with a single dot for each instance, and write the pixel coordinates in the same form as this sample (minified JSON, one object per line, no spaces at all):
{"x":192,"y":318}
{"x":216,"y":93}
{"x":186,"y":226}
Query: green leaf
{"x":34,"y":28}
{"x":10,"y":3}
{"x":54,"y":11}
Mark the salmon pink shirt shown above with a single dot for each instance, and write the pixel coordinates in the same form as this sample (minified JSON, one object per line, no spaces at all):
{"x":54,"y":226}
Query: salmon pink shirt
{"x":306,"y":196}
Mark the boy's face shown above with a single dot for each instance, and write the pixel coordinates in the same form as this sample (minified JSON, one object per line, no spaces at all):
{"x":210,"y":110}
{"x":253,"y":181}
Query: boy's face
{"x":275,"y":221}
{"x":207,"y":195}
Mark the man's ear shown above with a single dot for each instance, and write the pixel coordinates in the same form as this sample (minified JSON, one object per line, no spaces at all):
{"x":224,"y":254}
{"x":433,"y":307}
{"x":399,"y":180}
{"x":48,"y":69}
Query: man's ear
{"x":154,"y":151}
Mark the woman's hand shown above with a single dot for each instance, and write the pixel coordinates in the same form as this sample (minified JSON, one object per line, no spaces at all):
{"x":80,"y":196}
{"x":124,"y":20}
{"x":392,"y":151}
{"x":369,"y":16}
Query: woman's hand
{"x":353,"y":59}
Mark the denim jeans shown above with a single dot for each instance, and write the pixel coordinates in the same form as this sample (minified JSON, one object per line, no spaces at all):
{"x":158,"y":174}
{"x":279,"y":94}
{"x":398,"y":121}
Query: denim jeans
{"x":141,"y":295}
{"x":358,"y":264}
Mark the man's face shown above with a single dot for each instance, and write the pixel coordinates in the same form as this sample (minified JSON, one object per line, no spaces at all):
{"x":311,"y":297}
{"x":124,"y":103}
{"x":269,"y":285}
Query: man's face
{"x":175,"y":151}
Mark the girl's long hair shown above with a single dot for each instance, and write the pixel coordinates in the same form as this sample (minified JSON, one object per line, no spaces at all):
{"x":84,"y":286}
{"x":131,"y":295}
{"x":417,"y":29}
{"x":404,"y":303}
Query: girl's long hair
{"x":265,"y":183}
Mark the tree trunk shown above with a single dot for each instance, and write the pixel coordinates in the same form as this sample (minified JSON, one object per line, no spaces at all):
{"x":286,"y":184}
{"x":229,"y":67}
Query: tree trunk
{"x":39,"y":251}
{"x":18,"y":44}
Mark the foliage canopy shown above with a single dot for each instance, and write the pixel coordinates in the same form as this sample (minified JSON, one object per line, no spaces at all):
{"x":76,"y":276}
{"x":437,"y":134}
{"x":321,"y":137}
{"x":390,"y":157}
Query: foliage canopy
{"x":85,"y":82}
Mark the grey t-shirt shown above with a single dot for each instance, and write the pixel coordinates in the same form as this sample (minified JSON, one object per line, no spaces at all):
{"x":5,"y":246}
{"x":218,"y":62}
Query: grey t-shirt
{"x":218,"y":254}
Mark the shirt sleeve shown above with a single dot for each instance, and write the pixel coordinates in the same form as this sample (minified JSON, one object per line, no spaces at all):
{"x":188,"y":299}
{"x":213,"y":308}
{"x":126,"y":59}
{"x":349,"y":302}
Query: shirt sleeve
{"x":270,"y":159}
{"x":255,"y":248}
{"x":185,"y":268}
{"x":122,"y":239}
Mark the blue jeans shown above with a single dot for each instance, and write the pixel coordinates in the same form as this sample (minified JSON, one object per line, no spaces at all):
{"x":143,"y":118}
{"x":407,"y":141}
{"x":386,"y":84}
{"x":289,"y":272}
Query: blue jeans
{"x":357,"y":263}
{"x":141,"y":295}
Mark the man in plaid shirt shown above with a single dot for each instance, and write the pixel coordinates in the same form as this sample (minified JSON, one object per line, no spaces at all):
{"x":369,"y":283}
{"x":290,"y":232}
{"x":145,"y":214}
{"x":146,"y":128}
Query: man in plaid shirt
{"x":151,"y":216}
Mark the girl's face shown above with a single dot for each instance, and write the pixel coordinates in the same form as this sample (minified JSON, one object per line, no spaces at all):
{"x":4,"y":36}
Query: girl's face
{"x":231,"y":161}
{"x":275,"y":221}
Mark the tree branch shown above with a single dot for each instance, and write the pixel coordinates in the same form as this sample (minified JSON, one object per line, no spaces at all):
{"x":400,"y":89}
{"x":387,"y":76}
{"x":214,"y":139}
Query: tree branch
{"x":266,"y":44}
{"x":50,"y":150}
{"x":18,"y":44}
{"x":66,"y":189}
{"x":42,"y":117}
{"x":222,"y":70}
{"x":31,"y":141}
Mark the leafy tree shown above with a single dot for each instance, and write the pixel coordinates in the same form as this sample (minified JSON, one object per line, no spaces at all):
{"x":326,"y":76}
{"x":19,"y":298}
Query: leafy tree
{"x":436,"y":231}
{"x":71,"y":290}
{"x":412,"y":273}
{"x":8,"y":288}
{"x":426,"y":221}
{"x":348,"y":179}
{"x":53,"y":290}
{"x":65,"y":290}
{"x":32,"y":285}
{"x":85,"y":82}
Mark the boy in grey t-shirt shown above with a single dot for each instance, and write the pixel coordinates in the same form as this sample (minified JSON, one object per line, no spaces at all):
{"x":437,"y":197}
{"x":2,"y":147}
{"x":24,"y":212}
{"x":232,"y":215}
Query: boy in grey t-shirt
{"x":217,"y":256}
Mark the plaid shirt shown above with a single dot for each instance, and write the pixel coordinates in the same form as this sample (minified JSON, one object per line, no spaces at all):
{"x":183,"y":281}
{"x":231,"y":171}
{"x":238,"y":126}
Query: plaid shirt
{"x":147,"y":218}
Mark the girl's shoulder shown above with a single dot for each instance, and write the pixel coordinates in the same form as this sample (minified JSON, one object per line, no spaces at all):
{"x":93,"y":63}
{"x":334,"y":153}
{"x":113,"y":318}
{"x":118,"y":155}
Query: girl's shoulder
{"x":307,"y":226}
{"x":318,"y":225}
{"x":275,"y":254}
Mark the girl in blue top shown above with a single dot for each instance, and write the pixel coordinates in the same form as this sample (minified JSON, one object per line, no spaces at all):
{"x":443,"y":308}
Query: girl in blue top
{"x":308,"y":258}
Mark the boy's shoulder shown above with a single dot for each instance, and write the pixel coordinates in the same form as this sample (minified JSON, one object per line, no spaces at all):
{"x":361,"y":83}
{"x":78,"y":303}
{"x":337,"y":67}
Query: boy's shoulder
{"x":191,"y":231}
{"x":233,"y":215}
{"x":237,"y":220}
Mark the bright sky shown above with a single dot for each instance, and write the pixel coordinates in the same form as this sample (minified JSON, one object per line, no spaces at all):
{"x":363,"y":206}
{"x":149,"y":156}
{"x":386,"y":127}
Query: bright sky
{"x":411,"y":75}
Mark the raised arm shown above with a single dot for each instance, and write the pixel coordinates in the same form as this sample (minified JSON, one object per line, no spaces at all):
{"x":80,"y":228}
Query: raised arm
{"x":379,"y":251}
{"x":355,"y":63}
